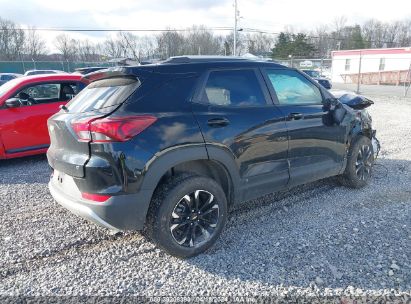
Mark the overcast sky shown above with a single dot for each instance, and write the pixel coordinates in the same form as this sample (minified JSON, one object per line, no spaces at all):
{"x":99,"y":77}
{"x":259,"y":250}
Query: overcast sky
{"x":269,"y":15}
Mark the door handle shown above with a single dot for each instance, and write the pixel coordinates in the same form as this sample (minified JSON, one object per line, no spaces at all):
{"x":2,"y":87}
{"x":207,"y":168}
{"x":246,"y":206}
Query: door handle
{"x":218,"y":122}
{"x":295,"y":116}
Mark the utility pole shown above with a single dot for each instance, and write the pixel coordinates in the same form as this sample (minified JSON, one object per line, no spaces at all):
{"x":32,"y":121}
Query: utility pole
{"x":235,"y":28}
{"x":359,"y":75}
{"x":407,"y":79}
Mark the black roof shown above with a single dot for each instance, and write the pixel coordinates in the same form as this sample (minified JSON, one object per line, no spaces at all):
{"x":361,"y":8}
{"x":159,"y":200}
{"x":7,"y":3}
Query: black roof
{"x":187,"y":64}
{"x":183,"y":65}
{"x":202,"y":59}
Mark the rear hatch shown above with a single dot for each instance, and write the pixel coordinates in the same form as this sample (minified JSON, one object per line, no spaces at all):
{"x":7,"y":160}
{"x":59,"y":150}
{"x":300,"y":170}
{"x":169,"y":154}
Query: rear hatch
{"x":70,"y":147}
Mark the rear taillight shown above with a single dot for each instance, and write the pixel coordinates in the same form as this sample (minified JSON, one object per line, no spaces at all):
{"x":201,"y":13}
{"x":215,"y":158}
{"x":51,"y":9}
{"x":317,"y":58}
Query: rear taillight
{"x":95,"y":197}
{"x":109,"y":129}
{"x":82,"y":128}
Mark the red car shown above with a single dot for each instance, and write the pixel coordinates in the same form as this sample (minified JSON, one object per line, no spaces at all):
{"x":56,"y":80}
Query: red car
{"x":25,"y":105}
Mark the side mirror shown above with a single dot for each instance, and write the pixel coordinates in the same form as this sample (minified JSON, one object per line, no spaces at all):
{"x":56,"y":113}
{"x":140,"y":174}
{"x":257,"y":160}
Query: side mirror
{"x":330,"y":102}
{"x":13,"y":103}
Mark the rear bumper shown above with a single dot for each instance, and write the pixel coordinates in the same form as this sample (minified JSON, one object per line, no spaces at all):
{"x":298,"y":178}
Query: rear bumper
{"x":122,"y":212}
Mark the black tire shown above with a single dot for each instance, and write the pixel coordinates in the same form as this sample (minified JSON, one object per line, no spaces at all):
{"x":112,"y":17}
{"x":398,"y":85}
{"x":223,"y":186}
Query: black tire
{"x":360,"y":160}
{"x":177,"y":225}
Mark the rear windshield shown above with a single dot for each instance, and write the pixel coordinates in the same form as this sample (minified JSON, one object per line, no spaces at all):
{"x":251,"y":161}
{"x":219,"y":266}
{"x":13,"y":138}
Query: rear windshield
{"x":102,"y":94}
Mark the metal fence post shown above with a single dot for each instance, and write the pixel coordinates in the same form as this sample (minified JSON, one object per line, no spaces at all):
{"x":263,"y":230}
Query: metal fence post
{"x":22,"y":62}
{"x":322,"y":65}
{"x":407,"y":79}
{"x":359,"y":75}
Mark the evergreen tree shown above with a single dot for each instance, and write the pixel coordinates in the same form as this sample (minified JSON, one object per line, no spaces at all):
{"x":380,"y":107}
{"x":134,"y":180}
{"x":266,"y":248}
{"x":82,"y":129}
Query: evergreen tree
{"x":292,"y":44}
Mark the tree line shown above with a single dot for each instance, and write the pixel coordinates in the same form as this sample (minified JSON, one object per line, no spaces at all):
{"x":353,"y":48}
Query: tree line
{"x":17,"y":43}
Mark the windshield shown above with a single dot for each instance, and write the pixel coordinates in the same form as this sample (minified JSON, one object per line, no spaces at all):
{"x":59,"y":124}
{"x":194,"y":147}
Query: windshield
{"x":102,"y":94}
{"x":8,"y":86}
{"x":312,"y":73}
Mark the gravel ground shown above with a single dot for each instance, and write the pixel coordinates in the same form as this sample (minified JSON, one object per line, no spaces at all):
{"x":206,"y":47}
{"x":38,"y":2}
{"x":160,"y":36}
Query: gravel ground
{"x":315,"y":241}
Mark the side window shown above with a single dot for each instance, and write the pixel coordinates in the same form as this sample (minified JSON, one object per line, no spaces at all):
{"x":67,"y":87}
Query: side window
{"x":42,"y":91}
{"x":68,"y":91}
{"x":293,"y":88}
{"x":382,"y":64}
{"x":233,"y":88}
{"x":347,"y":64}
{"x":47,"y":93}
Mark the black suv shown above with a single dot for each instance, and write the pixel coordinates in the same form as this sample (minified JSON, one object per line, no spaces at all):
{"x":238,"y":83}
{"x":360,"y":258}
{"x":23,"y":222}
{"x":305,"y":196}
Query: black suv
{"x":168,"y":148}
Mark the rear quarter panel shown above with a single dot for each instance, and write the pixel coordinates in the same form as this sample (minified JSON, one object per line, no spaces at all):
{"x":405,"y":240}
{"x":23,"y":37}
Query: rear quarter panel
{"x":120,"y":167}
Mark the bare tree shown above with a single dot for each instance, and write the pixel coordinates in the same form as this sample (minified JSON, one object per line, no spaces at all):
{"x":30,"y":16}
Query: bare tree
{"x":368,"y":32}
{"x":19,"y":44}
{"x":35,"y":45}
{"x":87,"y":51}
{"x":148,"y":47}
{"x":404,"y":33}
{"x":229,"y":43}
{"x":170,"y":43}
{"x":338,"y":25}
{"x":129,"y":45}
{"x":259,"y":44}
{"x":375,"y":33}
{"x":392,"y":33}
{"x":111,"y":48}
{"x":321,"y":39}
{"x":11,"y":40}
{"x":67,"y":46}
{"x":200,"y":41}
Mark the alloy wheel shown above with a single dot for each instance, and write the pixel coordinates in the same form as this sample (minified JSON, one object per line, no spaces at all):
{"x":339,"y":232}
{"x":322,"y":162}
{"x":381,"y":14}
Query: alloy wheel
{"x":364,"y":163}
{"x":194,"y":218}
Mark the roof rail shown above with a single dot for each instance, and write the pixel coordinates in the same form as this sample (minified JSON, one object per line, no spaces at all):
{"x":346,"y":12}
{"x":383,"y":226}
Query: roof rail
{"x":201,"y":58}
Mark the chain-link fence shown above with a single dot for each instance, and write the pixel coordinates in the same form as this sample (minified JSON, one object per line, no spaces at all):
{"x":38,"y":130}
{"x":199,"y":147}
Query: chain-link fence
{"x":21,"y":67}
{"x":359,"y":69}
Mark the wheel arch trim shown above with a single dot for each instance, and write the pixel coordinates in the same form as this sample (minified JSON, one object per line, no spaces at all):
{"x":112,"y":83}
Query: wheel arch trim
{"x":163,"y":161}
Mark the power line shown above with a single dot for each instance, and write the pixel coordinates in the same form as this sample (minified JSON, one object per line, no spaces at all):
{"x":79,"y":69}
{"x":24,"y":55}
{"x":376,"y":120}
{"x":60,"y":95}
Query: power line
{"x":56,"y":29}
{"x":252,"y":30}
{"x":248,"y":30}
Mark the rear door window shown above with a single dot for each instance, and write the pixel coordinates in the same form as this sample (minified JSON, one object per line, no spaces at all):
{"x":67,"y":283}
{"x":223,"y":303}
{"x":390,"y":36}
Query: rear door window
{"x":235,"y":88}
{"x":103,"y":94}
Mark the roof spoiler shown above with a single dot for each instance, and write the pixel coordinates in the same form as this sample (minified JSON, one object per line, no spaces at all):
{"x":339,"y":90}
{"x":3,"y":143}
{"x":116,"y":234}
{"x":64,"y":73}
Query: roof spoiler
{"x":115,"y":72}
{"x":105,"y":73}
